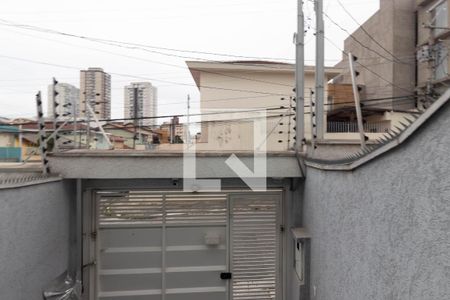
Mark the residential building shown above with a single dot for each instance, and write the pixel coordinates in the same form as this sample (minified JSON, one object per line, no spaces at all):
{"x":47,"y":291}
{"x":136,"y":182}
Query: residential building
{"x":176,"y":131}
{"x":385,"y":49}
{"x":145,"y":96}
{"x":433,"y":41}
{"x":10,"y":150}
{"x":229,"y":87}
{"x":95,"y":88}
{"x":375,"y":217}
{"x":129,"y":133}
{"x":70,"y":136}
{"x":68,"y":98}
{"x":133,"y":225}
{"x":8,"y":135}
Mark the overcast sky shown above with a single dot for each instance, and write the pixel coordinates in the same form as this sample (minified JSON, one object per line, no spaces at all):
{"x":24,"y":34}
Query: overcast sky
{"x":259,"y":28}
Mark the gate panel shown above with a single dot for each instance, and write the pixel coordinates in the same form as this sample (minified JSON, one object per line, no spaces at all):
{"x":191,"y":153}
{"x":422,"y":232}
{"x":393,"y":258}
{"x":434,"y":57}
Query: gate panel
{"x":128,"y":263}
{"x":129,"y":246}
{"x":173,"y":246}
{"x":165,"y":246}
{"x":196,"y":246}
{"x":192,"y":267}
{"x":255,"y":247}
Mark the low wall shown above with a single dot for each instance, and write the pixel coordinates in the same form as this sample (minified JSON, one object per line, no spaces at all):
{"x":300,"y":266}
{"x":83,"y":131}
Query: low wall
{"x":383,"y":230}
{"x":34,"y":237}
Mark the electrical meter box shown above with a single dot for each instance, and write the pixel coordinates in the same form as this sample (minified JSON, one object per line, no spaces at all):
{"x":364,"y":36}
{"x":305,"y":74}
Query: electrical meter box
{"x":301,"y":240}
{"x":424,"y":54}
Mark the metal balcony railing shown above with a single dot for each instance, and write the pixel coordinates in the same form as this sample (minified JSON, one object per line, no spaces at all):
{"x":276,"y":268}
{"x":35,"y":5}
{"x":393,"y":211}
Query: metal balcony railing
{"x":349,"y":127}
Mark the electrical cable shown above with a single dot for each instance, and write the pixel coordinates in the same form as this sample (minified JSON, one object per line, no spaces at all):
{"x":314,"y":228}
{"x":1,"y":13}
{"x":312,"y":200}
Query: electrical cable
{"x":378,"y":100}
{"x":173,"y":65}
{"x":358,"y":41}
{"x":125,"y":44}
{"x":367,"y":68}
{"x":47,"y":30}
{"x":142,"y":77}
{"x":365,"y":31}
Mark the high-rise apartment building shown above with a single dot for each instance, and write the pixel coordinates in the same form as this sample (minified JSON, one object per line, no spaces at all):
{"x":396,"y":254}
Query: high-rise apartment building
{"x":95,"y":88}
{"x":67,"y":98}
{"x":145,"y":95}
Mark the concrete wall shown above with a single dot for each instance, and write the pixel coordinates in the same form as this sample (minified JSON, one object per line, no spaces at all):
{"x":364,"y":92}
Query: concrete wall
{"x":383,"y":230}
{"x":34,"y":238}
{"x":427,"y":36}
{"x":392,"y":27}
{"x":239,"y":135}
{"x":7,"y":140}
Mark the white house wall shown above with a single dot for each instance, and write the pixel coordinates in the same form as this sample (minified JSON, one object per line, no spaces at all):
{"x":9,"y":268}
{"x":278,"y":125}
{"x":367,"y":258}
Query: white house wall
{"x":278,"y":84}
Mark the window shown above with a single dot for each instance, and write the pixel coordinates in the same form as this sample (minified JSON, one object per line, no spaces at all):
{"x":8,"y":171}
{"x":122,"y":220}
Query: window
{"x":441,"y":62}
{"x":439,"y":18}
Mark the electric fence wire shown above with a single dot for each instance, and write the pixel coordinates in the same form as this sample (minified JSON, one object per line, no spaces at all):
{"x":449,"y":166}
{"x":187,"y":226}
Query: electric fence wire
{"x":375,"y":102}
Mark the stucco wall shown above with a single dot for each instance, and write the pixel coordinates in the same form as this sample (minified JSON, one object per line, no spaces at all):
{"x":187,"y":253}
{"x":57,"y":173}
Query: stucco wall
{"x":383,"y":231}
{"x":277,"y":80}
{"x":393,"y":27}
{"x":34,"y":228}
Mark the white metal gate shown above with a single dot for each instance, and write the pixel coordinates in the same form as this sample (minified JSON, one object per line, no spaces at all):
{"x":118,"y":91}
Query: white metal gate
{"x":255,"y":243}
{"x":173,"y":246}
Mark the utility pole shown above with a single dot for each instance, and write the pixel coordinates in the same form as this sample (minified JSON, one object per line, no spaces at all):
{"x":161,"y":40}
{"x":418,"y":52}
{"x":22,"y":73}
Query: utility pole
{"x":55,"y":113}
{"x":312,"y":114}
{"x":74,"y":111}
{"x":362,"y":136}
{"x":299,"y":77}
{"x":289,"y":123}
{"x":320,"y":69}
{"x":171,"y":124}
{"x":87,"y":102}
{"x":188,"y":135}
{"x":41,"y":136}
{"x":20,"y":136}
{"x":88,"y":124}
{"x":135,"y":114}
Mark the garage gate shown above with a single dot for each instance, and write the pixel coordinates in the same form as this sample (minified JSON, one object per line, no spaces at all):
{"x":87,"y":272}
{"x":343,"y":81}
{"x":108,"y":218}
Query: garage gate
{"x":188,"y":246}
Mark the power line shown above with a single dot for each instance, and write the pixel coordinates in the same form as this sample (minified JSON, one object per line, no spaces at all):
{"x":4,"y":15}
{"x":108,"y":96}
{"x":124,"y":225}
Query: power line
{"x":217,"y":121}
{"x":357,"y":40}
{"x":116,"y":43}
{"x":145,"y":78}
{"x":136,"y":45}
{"x":367,"y":68}
{"x":365,"y":31}
{"x":396,"y":100}
{"x":260,"y":96}
{"x":165,"y":64}
{"x":260,"y":109}
{"x":140,"y":47}
{"x":182,"y":67}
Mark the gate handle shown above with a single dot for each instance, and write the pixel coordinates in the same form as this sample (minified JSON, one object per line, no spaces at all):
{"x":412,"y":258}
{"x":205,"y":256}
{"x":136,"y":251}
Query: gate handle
{"x":225,"y":275}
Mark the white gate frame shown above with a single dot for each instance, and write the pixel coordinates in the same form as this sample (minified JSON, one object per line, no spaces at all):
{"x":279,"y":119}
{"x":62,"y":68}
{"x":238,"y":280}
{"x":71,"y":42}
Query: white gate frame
{"x":91,"y":228}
